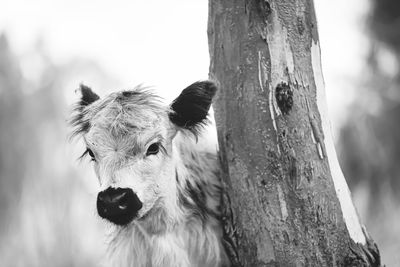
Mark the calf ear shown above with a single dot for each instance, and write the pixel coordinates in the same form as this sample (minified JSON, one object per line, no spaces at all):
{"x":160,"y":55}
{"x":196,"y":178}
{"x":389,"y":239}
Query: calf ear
{"x":88,"y":96}
{"x":191,"y":107}
{"x":77,"y":120}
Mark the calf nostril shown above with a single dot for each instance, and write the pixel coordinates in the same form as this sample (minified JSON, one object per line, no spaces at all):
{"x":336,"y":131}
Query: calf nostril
{"x":101,"y":197}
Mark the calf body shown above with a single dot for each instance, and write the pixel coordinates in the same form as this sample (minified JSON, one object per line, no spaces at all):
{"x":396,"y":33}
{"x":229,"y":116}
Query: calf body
{"x":159,"y":189}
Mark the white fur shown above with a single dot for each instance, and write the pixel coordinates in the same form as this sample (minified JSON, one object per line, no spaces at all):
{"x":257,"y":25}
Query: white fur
{"x":185,"y":241}
{"x":178,"y":225}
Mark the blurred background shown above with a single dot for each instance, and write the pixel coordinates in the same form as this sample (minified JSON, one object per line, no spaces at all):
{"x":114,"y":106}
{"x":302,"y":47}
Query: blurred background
{"x":48,"y":47}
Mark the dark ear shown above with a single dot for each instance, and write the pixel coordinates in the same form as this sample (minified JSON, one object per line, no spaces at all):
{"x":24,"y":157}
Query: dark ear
{"x":191,"y":107}
{"x":77,"y":120}
{"x":88,"y":96}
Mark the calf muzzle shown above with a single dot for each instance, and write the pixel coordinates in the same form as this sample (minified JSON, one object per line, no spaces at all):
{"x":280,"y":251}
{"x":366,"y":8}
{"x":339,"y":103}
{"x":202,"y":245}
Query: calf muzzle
{"x":118,"y":205}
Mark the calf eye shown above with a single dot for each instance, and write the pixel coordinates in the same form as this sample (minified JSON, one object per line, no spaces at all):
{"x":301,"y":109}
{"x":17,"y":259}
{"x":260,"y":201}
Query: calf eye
{"x":153,"y":149}
{"x":91,"y":154}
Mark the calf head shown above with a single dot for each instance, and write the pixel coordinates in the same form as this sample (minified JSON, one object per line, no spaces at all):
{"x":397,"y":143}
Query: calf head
{"x":129,"y":138}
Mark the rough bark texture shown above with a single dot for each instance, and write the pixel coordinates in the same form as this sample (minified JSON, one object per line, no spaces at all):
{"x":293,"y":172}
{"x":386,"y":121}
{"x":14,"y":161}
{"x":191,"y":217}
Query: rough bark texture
{"x":280,"y":203}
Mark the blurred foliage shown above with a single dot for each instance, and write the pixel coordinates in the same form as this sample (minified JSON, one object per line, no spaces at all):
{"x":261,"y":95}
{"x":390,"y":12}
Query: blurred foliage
{"x":370,"y":140}
{"x":11,"y":115}
{"x":45,"y":209}
{"x":385,"y":23}
{"x":369,"y":143}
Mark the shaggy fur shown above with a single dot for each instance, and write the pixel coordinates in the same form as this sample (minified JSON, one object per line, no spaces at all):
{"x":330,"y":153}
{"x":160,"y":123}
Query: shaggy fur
{"x":179,"y":186}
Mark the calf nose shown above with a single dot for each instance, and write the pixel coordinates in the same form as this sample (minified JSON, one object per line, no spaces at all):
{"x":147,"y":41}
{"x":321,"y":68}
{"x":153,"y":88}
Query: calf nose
{"x":118,"y":205}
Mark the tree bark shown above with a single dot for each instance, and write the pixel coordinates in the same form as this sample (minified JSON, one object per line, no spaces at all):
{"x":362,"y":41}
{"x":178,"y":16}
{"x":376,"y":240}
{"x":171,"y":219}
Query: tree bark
{"x":285,"y":200}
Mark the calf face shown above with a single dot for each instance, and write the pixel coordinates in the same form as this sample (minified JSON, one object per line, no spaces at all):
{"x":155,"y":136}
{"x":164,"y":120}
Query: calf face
{"x":129,"y":137}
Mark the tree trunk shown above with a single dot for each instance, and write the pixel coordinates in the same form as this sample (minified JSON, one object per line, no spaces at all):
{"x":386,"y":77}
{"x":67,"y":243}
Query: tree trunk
{"x":285,"y":201}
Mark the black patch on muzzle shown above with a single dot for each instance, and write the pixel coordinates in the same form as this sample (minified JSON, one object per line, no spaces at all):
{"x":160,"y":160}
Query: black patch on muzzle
{"x":118,"y":205}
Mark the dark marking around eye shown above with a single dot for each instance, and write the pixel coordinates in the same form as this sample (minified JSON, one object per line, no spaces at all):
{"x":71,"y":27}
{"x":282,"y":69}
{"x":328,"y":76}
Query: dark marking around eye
{"x":88,"y":152}
{"x":153,"y":149}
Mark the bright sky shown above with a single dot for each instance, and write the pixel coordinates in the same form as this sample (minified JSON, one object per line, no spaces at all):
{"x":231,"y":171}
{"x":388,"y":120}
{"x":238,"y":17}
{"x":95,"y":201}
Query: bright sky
{"x":164,"y":43}
{"x":159,"y":43}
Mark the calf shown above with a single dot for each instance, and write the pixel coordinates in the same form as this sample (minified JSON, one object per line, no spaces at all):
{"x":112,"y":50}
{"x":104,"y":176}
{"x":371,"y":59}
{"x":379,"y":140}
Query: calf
{"x":159,"y":190}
